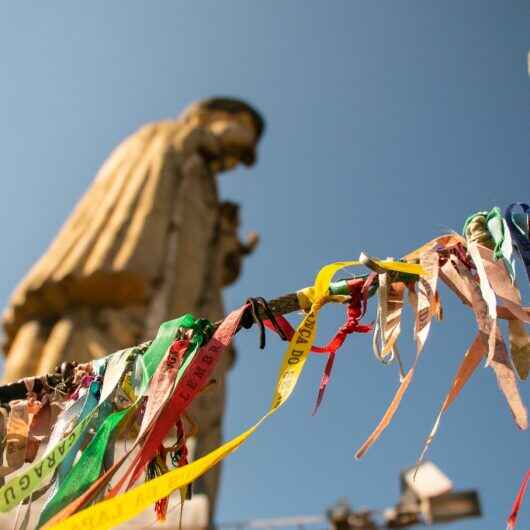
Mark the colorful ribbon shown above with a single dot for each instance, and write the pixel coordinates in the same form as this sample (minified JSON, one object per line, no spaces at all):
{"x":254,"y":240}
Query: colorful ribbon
{"x":180,"y":361}
{"x":512,"y":519}
{"x":114,"y":511}
{"x":519,"y":232}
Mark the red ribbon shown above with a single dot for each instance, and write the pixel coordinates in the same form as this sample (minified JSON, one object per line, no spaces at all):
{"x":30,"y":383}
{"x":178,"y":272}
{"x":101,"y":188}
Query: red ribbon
{"x":512,"y":520}
{"x":355,"y":311}
{"x":194,"y":379}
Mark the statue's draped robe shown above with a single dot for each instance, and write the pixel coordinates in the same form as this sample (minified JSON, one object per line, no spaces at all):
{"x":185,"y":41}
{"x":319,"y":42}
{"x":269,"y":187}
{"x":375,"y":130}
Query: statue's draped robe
{"x":145,"y":244}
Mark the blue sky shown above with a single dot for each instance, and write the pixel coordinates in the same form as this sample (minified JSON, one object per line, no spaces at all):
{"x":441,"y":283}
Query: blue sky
{"x":388,"y":122}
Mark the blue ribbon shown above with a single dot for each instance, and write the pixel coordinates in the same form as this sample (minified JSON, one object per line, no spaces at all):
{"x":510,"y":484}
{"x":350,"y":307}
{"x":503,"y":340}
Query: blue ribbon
{"x":520,"y":234}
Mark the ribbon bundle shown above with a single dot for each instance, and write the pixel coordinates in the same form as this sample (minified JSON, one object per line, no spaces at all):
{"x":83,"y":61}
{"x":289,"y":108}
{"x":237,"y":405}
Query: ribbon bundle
{"x":146,"y":390}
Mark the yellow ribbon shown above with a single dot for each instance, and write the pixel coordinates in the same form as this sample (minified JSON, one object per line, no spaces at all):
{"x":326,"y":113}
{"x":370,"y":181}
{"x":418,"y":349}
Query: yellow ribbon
{"x":399,"y":266}
{"x":112,"y":512}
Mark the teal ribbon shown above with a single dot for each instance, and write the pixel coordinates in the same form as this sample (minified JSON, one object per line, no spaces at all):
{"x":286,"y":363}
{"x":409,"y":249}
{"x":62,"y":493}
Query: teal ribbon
{"x":496,"y":227}
{"x":90,"y":403}
{"x":88,"y":468}
{"x":518,"y":226}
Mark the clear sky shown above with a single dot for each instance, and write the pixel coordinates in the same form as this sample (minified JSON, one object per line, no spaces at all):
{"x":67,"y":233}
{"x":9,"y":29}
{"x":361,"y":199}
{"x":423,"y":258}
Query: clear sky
{"x":387,"y":122}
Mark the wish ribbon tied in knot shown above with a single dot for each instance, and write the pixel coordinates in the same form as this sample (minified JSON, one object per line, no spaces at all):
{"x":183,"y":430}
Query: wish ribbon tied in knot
{"x":424,"y":306}
{"x":113,"y":511}
{"x":82,"y":483}
{"x":192,"y":376}
{"x":23,"y":484}
{"x":354,"y":312}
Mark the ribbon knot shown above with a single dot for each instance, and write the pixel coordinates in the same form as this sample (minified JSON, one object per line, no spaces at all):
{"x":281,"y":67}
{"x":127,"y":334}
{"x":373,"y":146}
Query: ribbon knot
{"x":354,"y":312}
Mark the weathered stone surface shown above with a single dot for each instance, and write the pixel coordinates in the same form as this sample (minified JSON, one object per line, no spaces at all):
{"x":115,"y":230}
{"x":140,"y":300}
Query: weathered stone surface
{"x":148,"y":241}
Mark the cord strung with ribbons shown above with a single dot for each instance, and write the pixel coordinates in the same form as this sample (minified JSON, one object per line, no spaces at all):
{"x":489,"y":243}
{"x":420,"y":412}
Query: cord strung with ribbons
{"x":146,"y":390}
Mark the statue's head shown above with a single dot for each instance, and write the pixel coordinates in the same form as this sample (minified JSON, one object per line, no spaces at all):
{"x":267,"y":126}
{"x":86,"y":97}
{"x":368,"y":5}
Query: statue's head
{"x":236,"y":126}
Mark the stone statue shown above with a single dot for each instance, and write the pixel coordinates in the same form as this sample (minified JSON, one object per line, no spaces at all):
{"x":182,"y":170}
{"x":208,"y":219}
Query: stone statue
{"x":149,"y":241}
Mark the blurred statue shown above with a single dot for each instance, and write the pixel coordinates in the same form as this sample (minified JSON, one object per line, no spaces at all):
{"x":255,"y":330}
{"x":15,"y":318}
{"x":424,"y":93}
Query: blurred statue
{"x":149,"y":241}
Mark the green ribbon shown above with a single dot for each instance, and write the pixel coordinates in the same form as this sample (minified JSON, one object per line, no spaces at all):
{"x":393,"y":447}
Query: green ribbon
{"x":88,"y":468}
{"x":158,"y":348}
{"x":91,"y":402}
{"x":496,"y":228}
